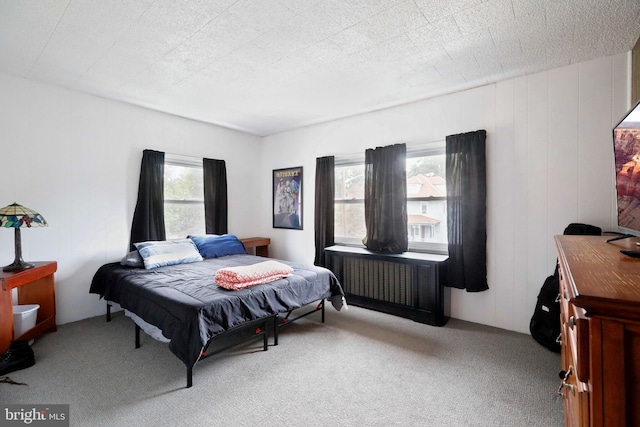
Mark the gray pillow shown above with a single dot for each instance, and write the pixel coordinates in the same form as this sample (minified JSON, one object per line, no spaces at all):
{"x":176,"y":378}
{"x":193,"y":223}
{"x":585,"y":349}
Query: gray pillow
{"x":132,"y":259}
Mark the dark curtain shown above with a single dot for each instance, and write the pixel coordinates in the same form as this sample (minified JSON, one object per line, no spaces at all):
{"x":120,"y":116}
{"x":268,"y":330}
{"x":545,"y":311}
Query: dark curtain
{"x":215,"y":196}
{"x":324,"y":207}
{"x":467,"y":211}
{"x":148,"y":217}
{"x":385,"y":199}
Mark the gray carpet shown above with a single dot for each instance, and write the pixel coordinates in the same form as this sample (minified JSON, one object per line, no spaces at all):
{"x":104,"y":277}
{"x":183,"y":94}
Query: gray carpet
{"x":359,"y":368}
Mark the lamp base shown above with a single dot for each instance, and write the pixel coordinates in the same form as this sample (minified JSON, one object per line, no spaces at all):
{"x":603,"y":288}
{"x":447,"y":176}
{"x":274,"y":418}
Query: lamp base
{"x":18,"y":266}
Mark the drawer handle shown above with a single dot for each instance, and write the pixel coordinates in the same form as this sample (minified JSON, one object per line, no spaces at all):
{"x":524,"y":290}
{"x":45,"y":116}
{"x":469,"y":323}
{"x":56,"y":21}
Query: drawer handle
{"x":563,"y":384}
{"x":558,"y":298}
{"x":572,"y":322}
{"x":559,"y":340}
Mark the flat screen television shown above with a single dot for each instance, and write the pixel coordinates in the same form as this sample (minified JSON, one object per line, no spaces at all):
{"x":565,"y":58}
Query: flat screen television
{"x":626,"y":147}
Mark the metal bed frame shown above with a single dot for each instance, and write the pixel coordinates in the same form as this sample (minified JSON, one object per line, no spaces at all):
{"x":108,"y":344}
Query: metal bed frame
{"x":261,"y":330}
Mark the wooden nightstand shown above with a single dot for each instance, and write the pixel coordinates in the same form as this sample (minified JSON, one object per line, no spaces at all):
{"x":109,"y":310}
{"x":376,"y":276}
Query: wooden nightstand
{"x":35,"y":286}
{"x":261,"y":245}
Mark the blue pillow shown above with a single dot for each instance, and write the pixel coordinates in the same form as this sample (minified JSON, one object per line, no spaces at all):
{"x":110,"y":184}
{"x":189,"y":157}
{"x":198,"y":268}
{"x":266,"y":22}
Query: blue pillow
{"x":168,"y":252}
{"x":213,"y":245}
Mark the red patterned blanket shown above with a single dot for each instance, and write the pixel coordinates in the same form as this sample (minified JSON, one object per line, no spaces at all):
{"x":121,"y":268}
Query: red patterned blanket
{"x":245,"y":276}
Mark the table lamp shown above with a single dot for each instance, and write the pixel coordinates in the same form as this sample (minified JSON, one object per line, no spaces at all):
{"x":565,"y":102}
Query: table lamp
{"x":16,"y":217}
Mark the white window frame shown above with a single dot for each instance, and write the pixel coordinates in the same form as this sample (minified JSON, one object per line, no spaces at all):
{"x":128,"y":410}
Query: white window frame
{"x":432,"y":149}
{"x":424,"y":208}
{"x":424,"y":150}
{"x":189,"y":162}
{"x":348,"y":161}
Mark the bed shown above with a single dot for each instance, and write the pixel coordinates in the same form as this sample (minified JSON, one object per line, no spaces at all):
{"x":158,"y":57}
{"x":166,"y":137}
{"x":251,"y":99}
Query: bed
{"x":189,"y":309}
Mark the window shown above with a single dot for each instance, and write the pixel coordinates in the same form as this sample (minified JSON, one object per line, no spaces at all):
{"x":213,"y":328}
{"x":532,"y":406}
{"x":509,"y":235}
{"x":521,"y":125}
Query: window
{"x":349,"y":203}
{"x":183,"y":197}
{"x":426,"y":200}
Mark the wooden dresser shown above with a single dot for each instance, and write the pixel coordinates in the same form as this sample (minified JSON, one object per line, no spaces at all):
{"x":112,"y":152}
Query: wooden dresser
{"x":600,"y":316}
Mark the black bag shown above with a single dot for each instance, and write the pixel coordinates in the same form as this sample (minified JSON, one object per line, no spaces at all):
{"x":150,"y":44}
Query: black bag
{"x":586,"y":229}
{"x":545,"y":322}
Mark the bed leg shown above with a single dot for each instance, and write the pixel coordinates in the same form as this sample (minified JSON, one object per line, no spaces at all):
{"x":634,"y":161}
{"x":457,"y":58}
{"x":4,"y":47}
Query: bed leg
{"x":137,"y":336}
{"x":322,"y":303}
{"x":265,"y":336}
{"x":275,"y":329}
{"x":189,"y":376}
{"x":108,"y":312}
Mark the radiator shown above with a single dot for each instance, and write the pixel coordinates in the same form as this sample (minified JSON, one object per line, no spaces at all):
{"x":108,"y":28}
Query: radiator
{"x":405,"y":284}
{"x":380,"y":280}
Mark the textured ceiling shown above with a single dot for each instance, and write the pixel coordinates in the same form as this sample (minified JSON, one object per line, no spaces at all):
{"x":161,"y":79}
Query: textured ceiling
{"x":265,"y":66}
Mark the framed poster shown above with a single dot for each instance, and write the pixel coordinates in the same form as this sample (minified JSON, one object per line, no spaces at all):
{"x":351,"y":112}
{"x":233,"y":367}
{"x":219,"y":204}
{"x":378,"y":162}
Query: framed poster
{"x":287,"y":198}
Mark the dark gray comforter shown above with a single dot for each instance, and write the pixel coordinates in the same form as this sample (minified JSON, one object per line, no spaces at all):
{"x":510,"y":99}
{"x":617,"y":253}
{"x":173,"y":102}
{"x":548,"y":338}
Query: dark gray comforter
{"x":185,"y":303}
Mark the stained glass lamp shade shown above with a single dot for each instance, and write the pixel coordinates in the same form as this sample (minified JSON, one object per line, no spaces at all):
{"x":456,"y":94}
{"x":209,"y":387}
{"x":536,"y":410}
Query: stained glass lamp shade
{"x":17,"y":217}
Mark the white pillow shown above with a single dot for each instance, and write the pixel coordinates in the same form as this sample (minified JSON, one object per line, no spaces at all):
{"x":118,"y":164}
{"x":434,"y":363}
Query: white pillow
{"x":168,"y":252}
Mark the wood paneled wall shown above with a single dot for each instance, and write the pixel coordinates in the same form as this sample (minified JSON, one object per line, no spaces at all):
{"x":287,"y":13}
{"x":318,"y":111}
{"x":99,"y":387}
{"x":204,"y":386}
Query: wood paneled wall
{"x":549,"y":163}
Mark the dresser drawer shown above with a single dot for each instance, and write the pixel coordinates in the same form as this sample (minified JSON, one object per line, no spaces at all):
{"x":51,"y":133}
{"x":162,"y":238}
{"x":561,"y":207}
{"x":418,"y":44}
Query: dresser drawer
{"x":575,"y":330}
{"x":577,"y":336}
{"x":576,"y":400}
{"x":564,"y":297}
{"x":574,"y":392}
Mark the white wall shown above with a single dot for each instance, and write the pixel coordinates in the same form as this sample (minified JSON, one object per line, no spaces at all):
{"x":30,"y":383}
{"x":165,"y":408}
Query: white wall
{"x":549,"y":153}
{"x":76,"y":159}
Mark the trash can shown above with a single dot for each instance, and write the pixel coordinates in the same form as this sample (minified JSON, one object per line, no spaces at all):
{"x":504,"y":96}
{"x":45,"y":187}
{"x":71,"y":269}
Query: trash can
{"x":24,"y":318}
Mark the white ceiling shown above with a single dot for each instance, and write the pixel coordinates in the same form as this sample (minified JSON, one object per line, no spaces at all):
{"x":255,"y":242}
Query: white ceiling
{"x":265,"y":66}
